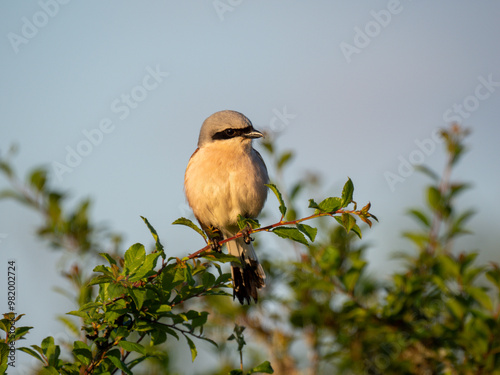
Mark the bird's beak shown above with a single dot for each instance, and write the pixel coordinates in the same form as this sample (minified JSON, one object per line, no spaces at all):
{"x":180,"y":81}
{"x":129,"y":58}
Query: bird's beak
{"x":254,"y":134}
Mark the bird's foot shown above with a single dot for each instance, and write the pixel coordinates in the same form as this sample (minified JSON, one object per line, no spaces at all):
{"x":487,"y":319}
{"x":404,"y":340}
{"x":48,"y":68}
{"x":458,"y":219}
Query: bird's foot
{"x":246,"y":234}
{"x":215,"y":236}
{"x":215,"y":245}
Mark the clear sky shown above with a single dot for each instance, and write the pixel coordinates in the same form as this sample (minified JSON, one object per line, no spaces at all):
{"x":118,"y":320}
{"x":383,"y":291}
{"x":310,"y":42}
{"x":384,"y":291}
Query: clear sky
{"x":111,"y":95}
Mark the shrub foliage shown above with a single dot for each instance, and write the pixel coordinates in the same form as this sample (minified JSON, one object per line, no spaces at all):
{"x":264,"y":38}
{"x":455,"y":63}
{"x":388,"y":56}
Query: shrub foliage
{"x":438,"y":315}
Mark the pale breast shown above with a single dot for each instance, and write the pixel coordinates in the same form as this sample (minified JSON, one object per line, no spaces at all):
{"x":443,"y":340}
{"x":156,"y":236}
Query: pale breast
{"x":219,"y":188}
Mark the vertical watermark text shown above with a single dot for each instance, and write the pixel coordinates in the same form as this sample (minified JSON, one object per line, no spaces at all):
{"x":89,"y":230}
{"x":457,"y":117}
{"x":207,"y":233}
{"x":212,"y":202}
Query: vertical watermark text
{"x":11,"y":306}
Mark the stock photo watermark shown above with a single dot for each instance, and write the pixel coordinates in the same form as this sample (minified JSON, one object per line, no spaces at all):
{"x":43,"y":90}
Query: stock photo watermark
{"x":406,"y":166}
{"x":121,"y":107}
{"x":483,"y":91}
{"x":223,"y":6}
{"x":363,"y":36}
{"x":281,"y":120}
{"x":11,"y":307}
{"x":457,"y":113}
{"x":31,"y":26}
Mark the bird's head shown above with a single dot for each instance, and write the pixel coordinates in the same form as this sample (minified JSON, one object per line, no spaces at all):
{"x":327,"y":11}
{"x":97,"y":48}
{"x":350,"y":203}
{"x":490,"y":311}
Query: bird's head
{"x":227,"y":125}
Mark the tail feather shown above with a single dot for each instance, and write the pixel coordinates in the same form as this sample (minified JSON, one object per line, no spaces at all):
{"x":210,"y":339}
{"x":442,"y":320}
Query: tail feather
{"x":249,"y":277}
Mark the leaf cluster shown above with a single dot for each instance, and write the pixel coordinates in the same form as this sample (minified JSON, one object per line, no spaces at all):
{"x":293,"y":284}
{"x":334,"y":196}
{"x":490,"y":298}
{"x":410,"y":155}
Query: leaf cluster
{"x":439,"y":314}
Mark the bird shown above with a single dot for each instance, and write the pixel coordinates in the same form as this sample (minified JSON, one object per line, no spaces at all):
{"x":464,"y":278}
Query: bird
{"x":226,"y":177}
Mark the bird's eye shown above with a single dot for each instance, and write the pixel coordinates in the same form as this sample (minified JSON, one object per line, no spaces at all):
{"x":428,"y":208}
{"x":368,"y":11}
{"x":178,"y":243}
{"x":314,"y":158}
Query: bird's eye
{"x":230,"y":132}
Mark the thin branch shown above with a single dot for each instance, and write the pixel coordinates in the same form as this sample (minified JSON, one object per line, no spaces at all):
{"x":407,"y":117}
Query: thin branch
{"x":275,"y":225}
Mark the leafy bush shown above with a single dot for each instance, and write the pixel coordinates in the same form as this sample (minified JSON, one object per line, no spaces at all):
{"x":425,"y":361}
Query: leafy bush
{"x":440,"y":315}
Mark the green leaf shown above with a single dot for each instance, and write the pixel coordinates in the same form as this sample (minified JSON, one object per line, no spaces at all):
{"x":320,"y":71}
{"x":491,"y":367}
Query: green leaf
{"x":434,"y":198}
{"x":296,"y":190}
{"x":190,"y":224}
{"x":136,"y":361}
{"x":419,"y":239}
{"x":264,"y":367}
{"x":450,"y":268}
{"x":132,"y":347}
{"x":134,"y":258}
{"x":331,"y":204}
{"x":3,"y":327}
{"x":108,"y":258}
{"x":38,"y":178}
{"x":208,"y":280}
{"x":103,"y":269}
{"x":158,"y":337}
{"x":51,"y":350}
{"x":350,"y":279}
{"x":7,"y":193}
{"x":285,"y":158}
{"x":21,"y":331}
{"x":4,"y":361}
{"x":347,"y":221}
{"x":101,"y":279}
{"x":147,"y":268}
{"x":39,"y":350}
{"x":268,"y":145}
{"x":480,"y":295}
{"x":138,"y":296}
{"x":420,"y":217}
{"x":5,"y":167}
{"x":458,"y":188}
{"x":493,"y":276}
{"x":48,"y":346}
{"x":221,"y":257}
{"x":308,"y":231}
{"x":19,"y":316}
{"x":244,"y":222}
{"x":291,"y":233}
{"x":164,"y":308}
{"x":159,"y":246}
{"x":427,"y":171}
{"x":280,"y":198}
{"x":347,"y":193}
{"x":198,"y":319}
{"x":313,"y":204}
{"x":31,"y":352}
{"x":48,"y":370}
{"x":192,"y":347}
{"x":456,"y":308}
{"x":457,"y":225}
{"x":167,"y":330}
{"x":83,"y":352}
{"x":112,"y":290}
{"x":356,"y":230}
{"x":114,"y":356}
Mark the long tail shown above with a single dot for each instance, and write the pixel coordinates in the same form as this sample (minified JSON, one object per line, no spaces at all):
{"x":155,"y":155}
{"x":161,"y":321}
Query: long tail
{"x":249,"y":278}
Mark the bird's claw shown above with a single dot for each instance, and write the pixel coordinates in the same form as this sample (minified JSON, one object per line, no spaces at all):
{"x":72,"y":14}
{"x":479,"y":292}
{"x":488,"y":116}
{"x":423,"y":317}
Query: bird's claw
{"x":215,"y":245}
{"x":246,"y":234}
{"x":215,"y":236}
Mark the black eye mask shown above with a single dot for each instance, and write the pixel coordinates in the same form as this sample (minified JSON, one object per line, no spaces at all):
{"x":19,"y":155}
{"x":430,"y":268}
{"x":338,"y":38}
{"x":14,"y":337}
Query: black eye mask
{"x":232,"y":133}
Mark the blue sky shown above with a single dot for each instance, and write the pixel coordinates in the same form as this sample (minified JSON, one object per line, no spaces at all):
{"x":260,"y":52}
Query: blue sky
{"x":353,"y":88}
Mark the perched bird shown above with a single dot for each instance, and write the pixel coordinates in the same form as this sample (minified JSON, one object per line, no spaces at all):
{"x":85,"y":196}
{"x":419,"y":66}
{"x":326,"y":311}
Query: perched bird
{"x":226,"y":177}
